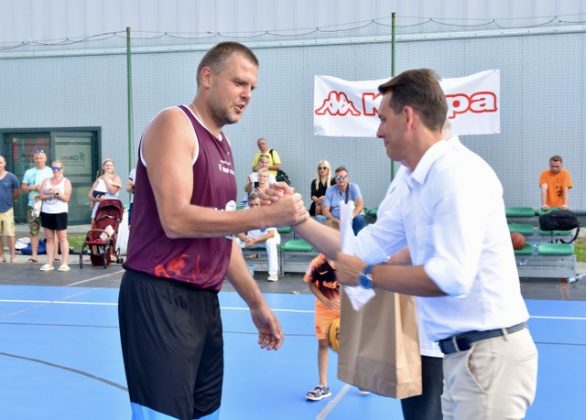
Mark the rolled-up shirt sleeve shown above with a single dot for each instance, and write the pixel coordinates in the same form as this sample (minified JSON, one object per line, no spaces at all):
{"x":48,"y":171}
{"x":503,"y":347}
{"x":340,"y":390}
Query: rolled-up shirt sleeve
{"x":453,"y":240}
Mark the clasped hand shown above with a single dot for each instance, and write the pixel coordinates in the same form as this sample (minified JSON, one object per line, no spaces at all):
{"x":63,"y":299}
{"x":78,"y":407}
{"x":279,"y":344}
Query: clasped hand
{"x":288,"y":206}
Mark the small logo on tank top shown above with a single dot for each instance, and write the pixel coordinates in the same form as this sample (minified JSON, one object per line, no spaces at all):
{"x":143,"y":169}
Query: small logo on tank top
{"x":225,"y":167}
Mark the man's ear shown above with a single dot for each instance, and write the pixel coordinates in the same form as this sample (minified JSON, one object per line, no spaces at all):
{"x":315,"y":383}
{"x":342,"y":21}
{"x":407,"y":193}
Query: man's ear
{"x":206,"y":76}
{"x":410,"y":116}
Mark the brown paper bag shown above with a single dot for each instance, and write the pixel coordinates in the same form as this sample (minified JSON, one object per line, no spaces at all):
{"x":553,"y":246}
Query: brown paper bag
{"x":379,"y":346}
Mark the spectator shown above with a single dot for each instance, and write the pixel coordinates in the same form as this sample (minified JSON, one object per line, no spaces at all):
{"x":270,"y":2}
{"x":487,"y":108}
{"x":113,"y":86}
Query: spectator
{"x":263,"y":181}
{"x":106,"y":187}
{"x":9,"y":191}
{"x":321,"y":278}
{"x":31,"y":183}
{"x":130,"y":190}
{"x":555,"y":184}
{"x":269,"y":236}
{"x":55,"y":193}
{"x":274,"y":159}
{"x":252,"y":180}
{"x":344,"y":191}
{"x":319,"y":186}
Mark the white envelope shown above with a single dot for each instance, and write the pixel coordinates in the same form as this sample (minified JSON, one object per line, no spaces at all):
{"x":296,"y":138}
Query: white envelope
{"x":357,"y":295}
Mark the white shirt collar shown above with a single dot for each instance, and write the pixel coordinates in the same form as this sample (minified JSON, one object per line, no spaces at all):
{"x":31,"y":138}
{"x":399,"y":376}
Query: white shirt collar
{"x":426,"y":162}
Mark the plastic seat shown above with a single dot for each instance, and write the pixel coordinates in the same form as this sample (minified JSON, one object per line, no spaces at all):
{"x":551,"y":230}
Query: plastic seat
{"x":296,"y":245}
{"x":520,"y":212}
{"x":549,"y":210}
{"x":555,"y":249}
{"x":527,"y":250}
{"x":370,"y":214}
{"x":295,"y":255}
{"x":524,"y":229}
{"x":284,"y":230}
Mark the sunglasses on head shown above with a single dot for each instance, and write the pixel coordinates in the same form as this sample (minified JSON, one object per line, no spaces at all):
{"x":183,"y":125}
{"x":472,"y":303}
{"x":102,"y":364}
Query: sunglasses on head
{"x":38,"y":151}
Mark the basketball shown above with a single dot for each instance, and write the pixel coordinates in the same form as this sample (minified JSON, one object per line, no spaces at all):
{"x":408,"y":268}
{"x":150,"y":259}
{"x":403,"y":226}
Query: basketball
{"x":518,"y":240}
{"x":333,"y":334}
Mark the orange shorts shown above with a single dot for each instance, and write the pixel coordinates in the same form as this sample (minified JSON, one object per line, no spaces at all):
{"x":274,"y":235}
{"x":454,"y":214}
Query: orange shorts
{"x":323,"y":318}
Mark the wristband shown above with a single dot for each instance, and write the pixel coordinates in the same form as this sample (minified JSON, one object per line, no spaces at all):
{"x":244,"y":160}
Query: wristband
{"x":365,"y":279}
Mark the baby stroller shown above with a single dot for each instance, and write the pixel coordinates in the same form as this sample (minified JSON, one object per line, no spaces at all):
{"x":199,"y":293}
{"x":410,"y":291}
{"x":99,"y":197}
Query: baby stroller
{"x":100,"y":241}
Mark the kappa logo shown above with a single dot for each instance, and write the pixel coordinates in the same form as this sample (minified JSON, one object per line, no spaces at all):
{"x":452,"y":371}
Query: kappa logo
{"x":477,"y":103}
{"x":337,"y":103}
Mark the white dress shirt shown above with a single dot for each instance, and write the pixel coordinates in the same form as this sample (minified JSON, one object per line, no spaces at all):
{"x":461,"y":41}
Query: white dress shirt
{"x":451,"y":214}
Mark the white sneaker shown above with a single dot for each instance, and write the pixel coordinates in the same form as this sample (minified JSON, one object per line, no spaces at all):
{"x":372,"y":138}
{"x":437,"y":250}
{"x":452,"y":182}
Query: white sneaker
{"x":47,"y":267}
{"x":64,"y":267}
{"x":273,"y":277}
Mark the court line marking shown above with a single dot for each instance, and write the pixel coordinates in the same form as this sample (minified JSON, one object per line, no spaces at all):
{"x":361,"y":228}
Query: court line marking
{"x":71,"y":302}
{"x":77,"y":283}
{"x":236,"y":308}
{"x":57,"y":302}
{"x":66,"y":368}
{"x":28,"y":309}
{"x":246,"y":309}
{"x":334,"y":402}
{"x":565,"y":318}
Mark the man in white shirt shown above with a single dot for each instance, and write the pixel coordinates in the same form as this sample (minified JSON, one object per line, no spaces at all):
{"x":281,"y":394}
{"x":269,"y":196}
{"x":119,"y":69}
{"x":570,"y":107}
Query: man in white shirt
{"x":268,"y":236}
{"x":31,"y":184}
{"x":451,"y":215}
{"x":426,"y":406}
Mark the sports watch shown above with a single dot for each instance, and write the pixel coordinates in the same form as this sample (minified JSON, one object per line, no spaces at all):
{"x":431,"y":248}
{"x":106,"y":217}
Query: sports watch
{"x":365,"y":279}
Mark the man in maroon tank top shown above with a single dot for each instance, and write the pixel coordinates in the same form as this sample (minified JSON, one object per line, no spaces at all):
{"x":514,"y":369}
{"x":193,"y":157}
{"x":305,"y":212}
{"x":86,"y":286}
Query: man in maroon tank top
{"x":180,"y":247}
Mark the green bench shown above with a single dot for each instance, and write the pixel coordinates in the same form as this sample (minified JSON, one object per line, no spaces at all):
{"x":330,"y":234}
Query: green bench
{"x":520,"y":212}
{"x":295,"y":255}
{"x":370,"y":214}
{"x":555,"y":249}
{"x":296,"y":245}
{"x":539,"y":212}
{"x":524,"y":229}
{"x":527,"y":250}
{"x":285,"y":230}
{"x":547,"y":249}
{"x":549,"y":260}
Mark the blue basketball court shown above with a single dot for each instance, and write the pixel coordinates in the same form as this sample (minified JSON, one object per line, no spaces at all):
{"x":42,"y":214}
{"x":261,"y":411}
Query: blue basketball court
{"x":60,"y":358}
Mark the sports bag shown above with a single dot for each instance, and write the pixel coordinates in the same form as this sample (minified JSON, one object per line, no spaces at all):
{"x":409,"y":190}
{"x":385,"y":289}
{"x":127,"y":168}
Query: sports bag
{"x":281,"y":175}
{"x":560,"y":220}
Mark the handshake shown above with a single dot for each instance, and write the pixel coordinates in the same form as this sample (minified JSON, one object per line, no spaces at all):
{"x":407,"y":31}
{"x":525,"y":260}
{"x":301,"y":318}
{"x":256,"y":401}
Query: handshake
{"x":285,"y":207}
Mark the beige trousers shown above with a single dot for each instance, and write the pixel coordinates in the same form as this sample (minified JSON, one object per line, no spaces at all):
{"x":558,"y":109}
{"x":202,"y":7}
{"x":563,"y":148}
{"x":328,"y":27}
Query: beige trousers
{"x":495,"y":379}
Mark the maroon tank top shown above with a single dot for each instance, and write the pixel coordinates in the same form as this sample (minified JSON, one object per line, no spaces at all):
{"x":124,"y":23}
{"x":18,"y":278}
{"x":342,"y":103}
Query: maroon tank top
{"x":201,"y":262}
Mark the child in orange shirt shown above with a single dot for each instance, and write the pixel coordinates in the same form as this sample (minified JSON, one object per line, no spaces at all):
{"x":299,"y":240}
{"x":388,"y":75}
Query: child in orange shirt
{"x":321,"y":278}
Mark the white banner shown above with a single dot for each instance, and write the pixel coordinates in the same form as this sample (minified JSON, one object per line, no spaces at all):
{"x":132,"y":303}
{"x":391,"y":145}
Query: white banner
{"x":344,"y":108}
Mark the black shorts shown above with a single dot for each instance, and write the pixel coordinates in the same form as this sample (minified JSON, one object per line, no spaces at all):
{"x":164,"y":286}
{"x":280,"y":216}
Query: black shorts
{"x":54,"y":221}
{"x":172,"y":345}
